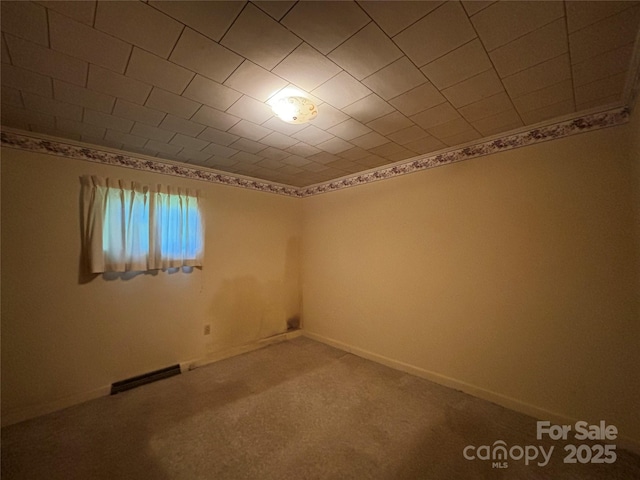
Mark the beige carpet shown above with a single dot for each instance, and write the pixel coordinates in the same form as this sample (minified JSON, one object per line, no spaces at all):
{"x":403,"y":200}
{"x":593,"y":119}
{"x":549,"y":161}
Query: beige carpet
{"x":295,"y":410}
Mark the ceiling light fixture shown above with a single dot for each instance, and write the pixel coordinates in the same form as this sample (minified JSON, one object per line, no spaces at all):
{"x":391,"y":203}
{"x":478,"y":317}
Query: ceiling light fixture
{"x":294,"y":109}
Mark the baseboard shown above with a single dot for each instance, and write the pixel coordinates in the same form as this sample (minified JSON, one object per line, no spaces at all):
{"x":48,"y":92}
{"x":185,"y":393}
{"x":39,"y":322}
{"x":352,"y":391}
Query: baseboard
{"x":622,"y":442}
{"x":17,"y":415}
{"x":234,"y":351}
{"x":28,"y":412}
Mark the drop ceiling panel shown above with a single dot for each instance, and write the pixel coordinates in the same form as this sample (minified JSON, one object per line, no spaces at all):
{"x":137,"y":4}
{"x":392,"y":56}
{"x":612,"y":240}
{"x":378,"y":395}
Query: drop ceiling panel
{"x":190,"y":81}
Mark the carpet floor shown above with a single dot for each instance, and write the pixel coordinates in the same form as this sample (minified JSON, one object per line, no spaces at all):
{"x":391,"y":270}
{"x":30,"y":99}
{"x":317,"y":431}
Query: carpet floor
{"x":294,"y":410}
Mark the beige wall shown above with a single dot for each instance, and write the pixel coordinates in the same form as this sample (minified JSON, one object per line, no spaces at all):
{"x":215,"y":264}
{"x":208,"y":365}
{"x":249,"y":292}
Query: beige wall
{"x":513,"y":276}
{"x":63,"y":336}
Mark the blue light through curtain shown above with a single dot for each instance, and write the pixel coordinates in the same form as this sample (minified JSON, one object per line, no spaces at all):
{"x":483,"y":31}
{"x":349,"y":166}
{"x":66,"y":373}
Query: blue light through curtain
{"x":134,"y":227}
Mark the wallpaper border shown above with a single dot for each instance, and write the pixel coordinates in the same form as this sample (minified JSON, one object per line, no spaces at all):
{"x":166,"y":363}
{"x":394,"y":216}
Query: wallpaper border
{"x":30,"y":141}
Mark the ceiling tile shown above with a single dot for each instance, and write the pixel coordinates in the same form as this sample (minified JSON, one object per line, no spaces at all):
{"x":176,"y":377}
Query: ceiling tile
{"x":80,"y":11}
{"x":11,"y":96}
{"x":349,"y":129}
{"x":312,"y":135}
{"x":548,"y":112}
{"x":408,"y":135}
{"x":366,"y":52}
{"x":274,"y":123}
{"x":23,"y":117}
{"x":486,"y":107}
{"x":395,"y":79}
{"x":51,"y":107}
{"x":5,"y":51}
{"x":303,"y":149}
{"x":335,"y":145}
{"x":392,"y":151}
{"x":274,"y":153}
{"x":327,"y":24}
{"x":306,"y":68}
{"x":607,"y":102}
{"x":46,"y":62}
{"x":435,"y":115}
{"x":25,"y":20}
{"x":100,"y":119}
{"x":443,"y":30}
{"x":531,"y":49}
{"x":221,"y":162}
{"x":605,"y":35}
{"x":603,"y":88}
{"x":390,"y":123}
{"x":354,"y":153}
{"x":258,"y":37}
{"x":460,"y":138}
{"x":204,"y":56}
{"x":324,"y":158}
{"x":450,"y":128}
{"x":152,"y":133}
{"x":194,"y":156}
{"x":604,"y":65}
{"x":138,"y":113}
{"x":81,"y":41}
{"x":458,"y":65}
{"x":247,"y":145}
{"x":251,"y":109}
{"x":27,"y":81}
{"x":372,"y":161}
{"x":249,"y":130}
{"x":328,"y":116}
{"x":279,"y":140}
{"x":125,"y":138}
{"x":139,"y":24}
{"x":180,"y":125}
{"x":160,"y":147}
{"x":218,"y":136}
{"x":296,"y":160}
{"x":369,"y":108}
{"x":106,"y":81}
{"x":583,"y":14}
{"x":255,"y":81}
{"x":69,"y":93}
{"x":474,"y":6}
{"x":501,"y":122}
{"x":393,"y":17}
{"x":212,"y":19}
{"x":503,"y":22}
{"x":474,"y":89}
{"x":418,"y":99}
{"x":71,"y":126}
{"x":542,"y":75}
{"x":211,"y":93}
{"x":152,"y":69}
{"x":370,"y":140}
{"x":546,"y":96}
{"x":188,"y":142}
{"x":214,"y":118}
{"x":171,"y":103}
{"x":345,"y":165}
{"x":246,"y":157}
{"x":220,"y":150}
{"x":341,"y":90}
{"x":275,"y":9}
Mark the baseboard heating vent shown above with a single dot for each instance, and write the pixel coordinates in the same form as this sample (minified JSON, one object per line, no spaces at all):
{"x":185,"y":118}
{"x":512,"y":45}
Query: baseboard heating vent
{"x":145,"y":378}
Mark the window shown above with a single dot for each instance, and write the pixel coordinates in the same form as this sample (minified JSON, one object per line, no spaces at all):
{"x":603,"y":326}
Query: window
{"x":134,"y":227}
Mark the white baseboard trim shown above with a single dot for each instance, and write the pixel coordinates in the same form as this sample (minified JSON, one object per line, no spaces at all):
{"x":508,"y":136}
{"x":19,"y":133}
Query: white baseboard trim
{"x":20,"y":414}
{"x":623,"y":442}
{"x":234,"y":351}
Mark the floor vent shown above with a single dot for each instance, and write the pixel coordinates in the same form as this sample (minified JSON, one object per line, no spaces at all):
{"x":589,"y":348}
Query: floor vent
{"x":134,"y":382}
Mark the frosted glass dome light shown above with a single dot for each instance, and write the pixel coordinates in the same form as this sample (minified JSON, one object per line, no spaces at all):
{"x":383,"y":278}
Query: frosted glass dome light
{"x":295,"y":109}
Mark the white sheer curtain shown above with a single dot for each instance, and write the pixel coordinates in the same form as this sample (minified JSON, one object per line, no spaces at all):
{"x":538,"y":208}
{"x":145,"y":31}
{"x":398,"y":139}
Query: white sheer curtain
{"x":134,"y":227}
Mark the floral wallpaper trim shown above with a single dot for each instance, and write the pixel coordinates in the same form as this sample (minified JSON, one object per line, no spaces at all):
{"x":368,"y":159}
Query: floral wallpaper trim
{"x":551,"y":132}
{"x":30,"y":141}
{"x":35,"y":144}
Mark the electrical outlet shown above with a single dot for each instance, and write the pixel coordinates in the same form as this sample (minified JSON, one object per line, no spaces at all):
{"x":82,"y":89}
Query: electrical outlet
{"x":207,"y":329}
